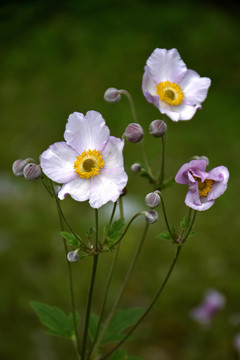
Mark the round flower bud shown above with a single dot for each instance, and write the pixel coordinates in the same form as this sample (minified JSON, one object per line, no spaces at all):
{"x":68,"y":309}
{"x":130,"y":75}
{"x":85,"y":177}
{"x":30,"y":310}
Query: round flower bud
{"x":136,"y":167}
{"x":32,"y":171}
{"x":134,"y":132}
{"x":19,"y":165}
{"x":152,"y":199}
{"x":151,"y":216}
{"x":72,"y":256}
{"x":158,"y":128}
{"x":112,"y":95}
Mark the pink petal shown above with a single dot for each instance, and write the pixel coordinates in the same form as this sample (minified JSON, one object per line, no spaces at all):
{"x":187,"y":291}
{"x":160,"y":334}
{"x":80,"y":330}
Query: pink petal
{"x":107,"y":186}
{"x":86,"y":132}
{"x":166,"y":65}
{"x":194,"y":165}
{"x":190,"y":201}
{"x":112,"y":153}
{"x":57,"y":162}
{"x":220,"y":175}
{"x":195,"y":88}
{"x":78,"y":189}
{"x":149,"y":88}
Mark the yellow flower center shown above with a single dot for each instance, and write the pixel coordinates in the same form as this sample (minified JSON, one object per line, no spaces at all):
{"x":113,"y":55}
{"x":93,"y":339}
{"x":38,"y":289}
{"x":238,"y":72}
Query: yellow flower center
{"x":203,"y":187}
{"x":170,"y":92}
{"x":88,"y":163}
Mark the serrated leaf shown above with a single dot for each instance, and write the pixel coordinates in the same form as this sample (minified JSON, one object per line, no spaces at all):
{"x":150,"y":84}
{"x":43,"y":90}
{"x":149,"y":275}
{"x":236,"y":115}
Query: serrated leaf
{"x":164,"y":235}
{"x":121,"y":320}
{"x":70,"y":238}
{"x":57,"y":322}
{"x":115,"y":230}
{"x":93,"y":324}
{"x":185,"y":222}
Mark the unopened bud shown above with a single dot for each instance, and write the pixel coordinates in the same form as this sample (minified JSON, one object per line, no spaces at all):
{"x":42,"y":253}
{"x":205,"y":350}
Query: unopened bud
{"x":158,"y":128}
{"x":32,"y":171}
{"x":151,"y":216}
{"x":19,"y":165}
{"x":134,"y":132}
{"x":136,"y":167}
{"x":72,"y":256}
{"x":112,"y":95}
{"x":152,"y":199}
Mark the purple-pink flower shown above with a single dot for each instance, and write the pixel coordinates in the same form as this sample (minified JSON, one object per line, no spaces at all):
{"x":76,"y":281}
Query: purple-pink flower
{"x":171,"y":87}
{"x":212,"y":303}
{"x":89,"y":163}
{"x":204,"y":187}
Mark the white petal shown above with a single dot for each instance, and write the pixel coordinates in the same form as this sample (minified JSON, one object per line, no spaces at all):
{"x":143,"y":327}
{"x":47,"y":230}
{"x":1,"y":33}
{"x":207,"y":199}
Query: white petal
{"x":166,"y":65}
{"x":86,"y":132}
{"x":57,"y":162}
{"x":195,"y":88}
{"x":78,"y":189}
{"x":107,"y":186}
{"x":112,"y":153}
{"x":183,"y":112}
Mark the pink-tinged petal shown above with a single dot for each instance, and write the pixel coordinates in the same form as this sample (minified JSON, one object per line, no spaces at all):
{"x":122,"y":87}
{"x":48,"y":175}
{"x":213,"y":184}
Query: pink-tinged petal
{"x":183,"y":112}
{"x":112,"y":153}
{"x":57,"y":162}
{"x":195,"y":88}
{"x":220,"y":175}
{"x":166,"y":65}
{"x":149,"y":88}
{"x":190,"y":201}
{"x":165,"y":108}
{"x":86,"y":132}
{"x":78,"y":189}
{"x":107,"y":186}
{"x":193,"y":165}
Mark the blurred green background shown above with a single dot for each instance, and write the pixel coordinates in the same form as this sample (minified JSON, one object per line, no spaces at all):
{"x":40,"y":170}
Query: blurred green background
{"x":58,"y":57}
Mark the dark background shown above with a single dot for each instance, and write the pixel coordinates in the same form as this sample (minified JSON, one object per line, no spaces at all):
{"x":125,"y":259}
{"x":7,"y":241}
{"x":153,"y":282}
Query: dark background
{"x":59,"y":57}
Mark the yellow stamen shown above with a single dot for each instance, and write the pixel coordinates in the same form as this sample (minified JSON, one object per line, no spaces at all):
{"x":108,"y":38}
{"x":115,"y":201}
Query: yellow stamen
{"x":204,"y":187}
{"x":88,"y":163}
{"x":170,"y":92}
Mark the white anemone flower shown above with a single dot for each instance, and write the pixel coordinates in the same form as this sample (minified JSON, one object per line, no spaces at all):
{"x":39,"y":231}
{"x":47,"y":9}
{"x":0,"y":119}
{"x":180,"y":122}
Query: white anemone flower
{"x":89,"y":163}
{"x":171,"y":87}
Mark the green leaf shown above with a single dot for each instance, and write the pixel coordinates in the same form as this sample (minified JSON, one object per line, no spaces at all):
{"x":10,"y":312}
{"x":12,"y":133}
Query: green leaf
{"x":115,"y":230}
{"x":121,"y":320}
{"x":185,"y":222}
{"x":57,"y":322}
{"x":93,"y":323}
{"x":70,"y":238}
{"x":91,"y":231}
{"x":164,"y":235}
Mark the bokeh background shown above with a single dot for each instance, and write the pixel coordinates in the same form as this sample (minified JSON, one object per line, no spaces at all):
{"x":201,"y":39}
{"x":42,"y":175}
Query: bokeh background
{"x":58,"y":57}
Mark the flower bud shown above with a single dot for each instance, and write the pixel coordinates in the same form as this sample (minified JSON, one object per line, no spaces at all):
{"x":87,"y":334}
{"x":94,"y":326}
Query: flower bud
{"x":151,"y":216}
{"x":32,"y":171}
{"x":134,"y":132}
{"x":136,"y":167}
{"x":158,"y":128}
{"x":112,"y":95}
{"x":19,"y":165}
{"x":72,"y":256}
{"x":152,"y":199}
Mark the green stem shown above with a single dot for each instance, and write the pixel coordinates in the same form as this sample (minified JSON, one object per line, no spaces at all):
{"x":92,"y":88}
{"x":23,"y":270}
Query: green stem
{"x":64,"y":219}
{"x":165,"y":214}
{"x":91,"y":287}
{"x":70,"y":285}
{"x":120,"y":203}
{"x":130,"y":269}
{"x":135,"y":118}
{"x":149,"y":307}
{"x":190,"y":227}
{"x":161,"y":177}
{"x":126,"y":229}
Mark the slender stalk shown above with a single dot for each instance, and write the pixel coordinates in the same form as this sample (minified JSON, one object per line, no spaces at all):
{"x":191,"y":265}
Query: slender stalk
{"x":64,"y":219}
{"x":120,"y":203}
{"x":90,"y":293}
{"x":161,"y":177}
{"x":130,"y":269}
{"x":149,"y":307}
{"x":190,"y":226}
{"x":165,"y":214}
{"x":70,"y":286}
{"x":135,"y":118}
